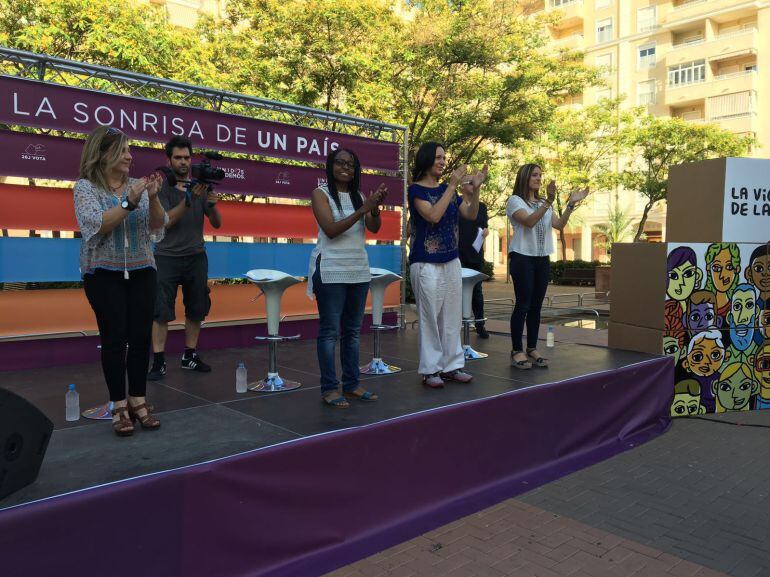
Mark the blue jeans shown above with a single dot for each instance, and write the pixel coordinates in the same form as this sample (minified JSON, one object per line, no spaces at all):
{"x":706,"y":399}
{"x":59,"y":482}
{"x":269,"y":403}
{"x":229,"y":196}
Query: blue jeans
{"x":339,"y":305}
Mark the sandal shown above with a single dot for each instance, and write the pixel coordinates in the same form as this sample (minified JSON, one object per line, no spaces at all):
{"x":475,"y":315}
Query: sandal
{"x":523,"y":365}
{"x":123,"y":427}
{"x":540,"y":360}
{"x":362,"y":395}
{"x":338,"y":402}
{"x":147,"y":421}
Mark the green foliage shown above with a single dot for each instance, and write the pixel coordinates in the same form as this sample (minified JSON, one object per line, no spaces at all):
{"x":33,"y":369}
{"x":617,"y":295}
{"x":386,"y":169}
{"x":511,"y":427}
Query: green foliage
{"x":558,"y":267}
{"x":655,"y":144}
{"x":124,"y":35}
{"x":619,"y":228}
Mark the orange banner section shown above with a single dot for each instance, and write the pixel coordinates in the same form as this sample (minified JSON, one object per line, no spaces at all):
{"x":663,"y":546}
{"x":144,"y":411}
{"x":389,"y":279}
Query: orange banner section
{"x":49,"y":208}
{"x":67,"y":310}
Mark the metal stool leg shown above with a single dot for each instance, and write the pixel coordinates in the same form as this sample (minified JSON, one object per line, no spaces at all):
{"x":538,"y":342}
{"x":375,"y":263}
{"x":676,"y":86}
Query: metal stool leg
{"x":273,"y":383}
{"x":470,"y":354}
{"x":377,"y":366}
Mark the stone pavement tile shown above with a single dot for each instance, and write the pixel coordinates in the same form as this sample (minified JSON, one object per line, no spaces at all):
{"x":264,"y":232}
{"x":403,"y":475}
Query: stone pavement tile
{"x":520,"y":539}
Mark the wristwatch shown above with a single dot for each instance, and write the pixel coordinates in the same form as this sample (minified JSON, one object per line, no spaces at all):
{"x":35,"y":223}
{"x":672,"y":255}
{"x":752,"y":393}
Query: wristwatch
{"x":127,"y":205}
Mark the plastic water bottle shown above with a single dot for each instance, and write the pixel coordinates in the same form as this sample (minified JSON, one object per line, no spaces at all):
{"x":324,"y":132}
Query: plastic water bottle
{"x":240,"y":378}
{"x":550,"y":338}
{"x":72,"y":404}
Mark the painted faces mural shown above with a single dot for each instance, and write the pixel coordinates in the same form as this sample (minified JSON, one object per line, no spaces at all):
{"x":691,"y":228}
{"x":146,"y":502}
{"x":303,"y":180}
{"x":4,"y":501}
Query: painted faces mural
{"x":717,"y":326}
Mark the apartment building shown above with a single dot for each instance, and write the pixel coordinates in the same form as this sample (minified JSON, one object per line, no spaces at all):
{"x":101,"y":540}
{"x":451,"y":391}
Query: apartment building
{"x":701,"y":60}
{"x":184,"y":13}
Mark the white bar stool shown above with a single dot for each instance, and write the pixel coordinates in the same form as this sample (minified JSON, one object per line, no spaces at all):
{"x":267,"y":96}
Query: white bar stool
{"x":272,"y":283}
{"x":470,"y":279}
{"x":381,"y":278}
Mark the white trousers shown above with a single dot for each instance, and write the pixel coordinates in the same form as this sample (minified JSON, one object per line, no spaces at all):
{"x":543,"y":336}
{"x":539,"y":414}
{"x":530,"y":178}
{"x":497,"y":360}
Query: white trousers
{"x":438,"y":291}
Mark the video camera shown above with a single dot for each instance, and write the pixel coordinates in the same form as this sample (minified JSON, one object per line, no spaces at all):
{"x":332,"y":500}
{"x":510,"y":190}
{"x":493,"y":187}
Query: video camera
{"x":202,"y":173}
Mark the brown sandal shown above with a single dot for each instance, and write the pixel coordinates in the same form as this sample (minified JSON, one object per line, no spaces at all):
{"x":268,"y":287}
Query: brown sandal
{"x":147,"y":421}
{"x":123,"y":427}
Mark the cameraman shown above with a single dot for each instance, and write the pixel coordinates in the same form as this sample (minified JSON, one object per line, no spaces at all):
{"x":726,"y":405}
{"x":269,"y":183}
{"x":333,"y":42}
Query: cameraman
{"x":181,"y":259}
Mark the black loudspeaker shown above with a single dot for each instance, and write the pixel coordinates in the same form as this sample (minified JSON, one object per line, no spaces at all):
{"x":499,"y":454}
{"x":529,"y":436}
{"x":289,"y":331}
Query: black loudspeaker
{"x":24,"y":435}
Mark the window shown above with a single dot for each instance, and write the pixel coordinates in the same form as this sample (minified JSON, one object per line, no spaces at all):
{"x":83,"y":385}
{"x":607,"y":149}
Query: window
{"x":645,"y":19}
{"x":750,"y":67}
{"x":602,"y":3}
{"x":645,"y":93}
{"x":604,"y":63}
{"x":604,"y":30}
{"x":688,"y":73}
{"x":646,"y":56}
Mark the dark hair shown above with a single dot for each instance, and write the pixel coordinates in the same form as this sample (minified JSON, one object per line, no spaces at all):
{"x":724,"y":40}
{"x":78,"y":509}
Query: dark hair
{"x":355,"y":195}
{"x":521,"y":186}
{"x":178,"y":142}
{"x":761,"y":250}
{"x":679,"y":256}
{"x":424,"y":159}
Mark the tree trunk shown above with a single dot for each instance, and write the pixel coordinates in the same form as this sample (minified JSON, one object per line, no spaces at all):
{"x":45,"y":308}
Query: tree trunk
{"x":640,"y":228}
{"x":563,"y":243}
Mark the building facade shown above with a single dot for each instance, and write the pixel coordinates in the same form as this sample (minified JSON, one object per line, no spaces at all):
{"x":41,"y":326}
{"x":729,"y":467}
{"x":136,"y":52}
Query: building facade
{"x":700,"y":60}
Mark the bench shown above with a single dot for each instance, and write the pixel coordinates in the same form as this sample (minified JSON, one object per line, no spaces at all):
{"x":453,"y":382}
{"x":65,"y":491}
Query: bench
{"x":579,"y":276}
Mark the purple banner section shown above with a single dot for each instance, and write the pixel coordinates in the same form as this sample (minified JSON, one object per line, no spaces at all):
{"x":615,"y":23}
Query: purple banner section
{"x":309,"y":506}
{"x":35,"y":354}
{"x":52,"y":106}
{"x":41,"y":156}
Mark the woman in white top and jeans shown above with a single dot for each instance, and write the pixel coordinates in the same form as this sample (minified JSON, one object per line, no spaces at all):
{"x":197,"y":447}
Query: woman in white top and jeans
{"x":528,"y":257}
{"x":339,"y":272}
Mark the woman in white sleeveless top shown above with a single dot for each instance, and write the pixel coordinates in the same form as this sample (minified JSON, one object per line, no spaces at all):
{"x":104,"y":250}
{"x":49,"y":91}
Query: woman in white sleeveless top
{"x":339,"y":273}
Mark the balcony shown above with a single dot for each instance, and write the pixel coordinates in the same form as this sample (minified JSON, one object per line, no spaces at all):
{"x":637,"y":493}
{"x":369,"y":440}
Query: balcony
{"x":739,"y":123}
{"x":732,"y":45}
{"x":571,"y":42}
{"x":679,"y":95}
{"x":571,"y":12}
{"x":689,"y":10}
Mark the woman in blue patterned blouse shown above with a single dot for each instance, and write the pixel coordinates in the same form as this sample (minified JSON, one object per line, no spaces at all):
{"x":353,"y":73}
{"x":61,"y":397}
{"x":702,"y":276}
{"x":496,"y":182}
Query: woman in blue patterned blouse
{"x":119,"y":218}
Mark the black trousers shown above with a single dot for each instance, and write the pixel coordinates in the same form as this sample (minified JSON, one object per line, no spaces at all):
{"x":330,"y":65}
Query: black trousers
{"x":124,"y":311}
{"x":477,"y":300}
{"x":530,"y":275}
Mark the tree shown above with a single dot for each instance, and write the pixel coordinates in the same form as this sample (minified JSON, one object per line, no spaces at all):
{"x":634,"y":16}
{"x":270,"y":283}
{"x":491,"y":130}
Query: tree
{"x":476,"y":74}
{"x":121,"y":35}
{"x":575,"y":148}
{"x":658,"y":143}
{"x":619,"y":228}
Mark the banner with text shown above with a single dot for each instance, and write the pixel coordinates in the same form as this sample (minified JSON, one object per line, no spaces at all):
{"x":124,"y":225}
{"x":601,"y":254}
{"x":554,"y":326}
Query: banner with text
{"x":40,"y":156}
{"x":52,"y":106}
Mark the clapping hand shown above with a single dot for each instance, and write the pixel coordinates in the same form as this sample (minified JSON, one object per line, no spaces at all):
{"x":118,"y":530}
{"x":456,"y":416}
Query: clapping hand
{"x":551,"y":191}
{"x":479,"y":177}
{"x":578,"y":195}
{"x":372,"y":201}
{"x":458,"y":174}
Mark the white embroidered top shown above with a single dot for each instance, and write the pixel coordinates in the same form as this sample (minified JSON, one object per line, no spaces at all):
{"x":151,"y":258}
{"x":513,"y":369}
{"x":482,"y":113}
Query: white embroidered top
{"x":343,"y":258}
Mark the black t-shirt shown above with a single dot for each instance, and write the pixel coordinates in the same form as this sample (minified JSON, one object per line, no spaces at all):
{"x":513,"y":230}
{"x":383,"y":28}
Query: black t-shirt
{"x":469,"y":229}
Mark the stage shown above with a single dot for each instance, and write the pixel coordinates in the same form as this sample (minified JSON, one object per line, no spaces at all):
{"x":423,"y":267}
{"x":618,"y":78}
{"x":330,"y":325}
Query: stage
{"x":279,"y":484}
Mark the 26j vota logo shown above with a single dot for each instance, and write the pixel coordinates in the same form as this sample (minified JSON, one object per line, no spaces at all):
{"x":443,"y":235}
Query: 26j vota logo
{"x":283,"y":177}
{"x":34,"y":152}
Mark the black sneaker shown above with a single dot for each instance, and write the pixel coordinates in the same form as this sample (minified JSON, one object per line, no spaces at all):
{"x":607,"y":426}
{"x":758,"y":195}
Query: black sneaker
{"x":195,"y":363}
{"x":482,"y":332}
{"x":156,"y":372}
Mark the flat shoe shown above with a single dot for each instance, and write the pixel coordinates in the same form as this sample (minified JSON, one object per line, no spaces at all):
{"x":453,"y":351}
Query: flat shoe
{"x":524,"y":365}
{"x":540,"y":361}
{"x":365,"y":396}
{"x":336,"y":402}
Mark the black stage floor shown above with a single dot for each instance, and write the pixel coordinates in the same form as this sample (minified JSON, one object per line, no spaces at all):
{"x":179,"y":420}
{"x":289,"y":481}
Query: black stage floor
{"x":204,"y":418}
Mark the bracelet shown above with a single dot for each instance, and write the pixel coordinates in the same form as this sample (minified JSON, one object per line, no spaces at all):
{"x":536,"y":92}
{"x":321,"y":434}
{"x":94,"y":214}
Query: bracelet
{"x":571,"y":205}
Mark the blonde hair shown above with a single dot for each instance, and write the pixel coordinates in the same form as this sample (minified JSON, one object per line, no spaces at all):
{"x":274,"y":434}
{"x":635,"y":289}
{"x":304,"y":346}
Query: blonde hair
{"x":102,"y":150}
